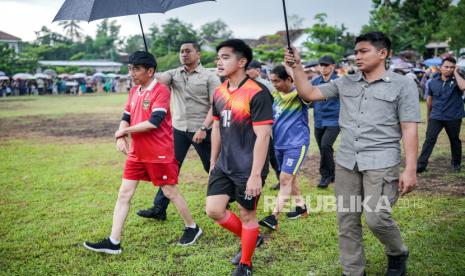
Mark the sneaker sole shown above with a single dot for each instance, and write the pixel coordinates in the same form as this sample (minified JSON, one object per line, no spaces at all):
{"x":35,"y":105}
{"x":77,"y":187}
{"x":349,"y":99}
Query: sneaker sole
{"x":195,"y":238}
{"x":108,"y":251}
{"x":301,"y":215}
{"x":267,"y":225}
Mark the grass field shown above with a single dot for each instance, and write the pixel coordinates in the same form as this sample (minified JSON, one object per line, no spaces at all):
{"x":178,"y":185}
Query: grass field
{"x":60,"y":175}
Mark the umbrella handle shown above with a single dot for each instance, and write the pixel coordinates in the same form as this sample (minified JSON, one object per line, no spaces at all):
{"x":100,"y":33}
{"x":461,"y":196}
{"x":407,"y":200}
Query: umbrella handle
{"x":287,"y":28}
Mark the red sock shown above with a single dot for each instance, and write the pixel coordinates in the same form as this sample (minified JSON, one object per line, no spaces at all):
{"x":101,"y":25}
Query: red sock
{"x":231,"y":222}
{"x":249,"y":240}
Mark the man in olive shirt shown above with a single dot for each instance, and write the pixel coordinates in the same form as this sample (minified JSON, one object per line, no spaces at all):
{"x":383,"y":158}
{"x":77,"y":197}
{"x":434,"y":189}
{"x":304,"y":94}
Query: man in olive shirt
{"x":192,"y":88}
{"x":378,"y":109}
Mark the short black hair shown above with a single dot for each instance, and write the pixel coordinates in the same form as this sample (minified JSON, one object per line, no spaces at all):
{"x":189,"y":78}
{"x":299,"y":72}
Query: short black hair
{"x":449,"y":59}
{"x":281,"y":72}
{"x":195,"y":44}
{"x":377,"y":39}
{"x":239,"y":47}
{"x":143,"y":59}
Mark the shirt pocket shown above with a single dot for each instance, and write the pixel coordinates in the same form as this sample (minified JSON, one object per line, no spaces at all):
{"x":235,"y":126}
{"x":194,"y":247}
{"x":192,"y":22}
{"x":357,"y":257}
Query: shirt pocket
{"x":350,"y":99}
{"x":384,"y":108}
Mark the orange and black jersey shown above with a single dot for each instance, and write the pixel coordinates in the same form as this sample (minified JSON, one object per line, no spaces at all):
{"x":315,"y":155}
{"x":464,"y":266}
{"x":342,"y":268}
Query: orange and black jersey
{"x":237,"y":112}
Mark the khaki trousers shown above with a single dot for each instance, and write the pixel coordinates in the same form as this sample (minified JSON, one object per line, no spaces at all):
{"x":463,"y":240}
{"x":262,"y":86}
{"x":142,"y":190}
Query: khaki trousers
{"x":372,"y":192}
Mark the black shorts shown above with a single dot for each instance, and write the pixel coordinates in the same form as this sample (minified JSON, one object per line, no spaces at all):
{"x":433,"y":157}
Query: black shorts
{"x":220,"y":183}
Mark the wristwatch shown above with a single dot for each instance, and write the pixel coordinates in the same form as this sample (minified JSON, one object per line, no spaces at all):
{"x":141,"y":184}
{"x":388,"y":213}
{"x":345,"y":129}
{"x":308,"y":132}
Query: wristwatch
{"x":203,"y":128}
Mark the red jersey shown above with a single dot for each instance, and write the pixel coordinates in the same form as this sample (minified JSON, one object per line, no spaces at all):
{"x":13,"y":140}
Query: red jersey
{"x":157,"y":145}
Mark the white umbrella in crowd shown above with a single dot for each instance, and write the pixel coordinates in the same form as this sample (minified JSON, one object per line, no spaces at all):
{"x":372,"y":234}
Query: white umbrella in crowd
{"x":79,"y":76}
{"x":23,"y":76}
{"x":42,"y":76}
{"x":4,"y":78}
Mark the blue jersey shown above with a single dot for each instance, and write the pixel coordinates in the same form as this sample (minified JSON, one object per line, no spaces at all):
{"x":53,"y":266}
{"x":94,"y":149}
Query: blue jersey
{"x":290,"y":126}
{"x":447,"y":99}
{"x":326,"y":113}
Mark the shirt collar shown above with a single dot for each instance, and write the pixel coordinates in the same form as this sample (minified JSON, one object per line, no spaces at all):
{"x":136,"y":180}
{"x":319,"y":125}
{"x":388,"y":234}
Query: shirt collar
{"x":197,"y":69}
{"x":150,"y":87}
{"x":386,"y":77}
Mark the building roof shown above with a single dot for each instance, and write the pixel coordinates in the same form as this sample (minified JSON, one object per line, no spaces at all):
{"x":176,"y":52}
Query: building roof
{"x":7,"y":37}
{"x":80,"y":63}
{"x":277,"y":38}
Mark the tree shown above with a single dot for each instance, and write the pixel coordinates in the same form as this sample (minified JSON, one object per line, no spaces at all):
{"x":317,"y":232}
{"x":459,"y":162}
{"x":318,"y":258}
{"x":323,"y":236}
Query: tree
{"x":215,"y":31}
{"x":46,"y":37}
{"x":385,"y":17}
{"x":133,"y":43}
{"x":7,"y":59}
{"x":295,"y":21}
{"x":410,"y":24}
{"x":449,"y":30}
{"x":173,"y":33}
{"x":72,"y":29}
{"x":106,"y":39}
{"x":271,"y":50}
{"x":325,"y":39}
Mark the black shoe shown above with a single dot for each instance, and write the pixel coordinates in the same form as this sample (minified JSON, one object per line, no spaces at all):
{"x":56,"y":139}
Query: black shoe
{"x":237,"y":258}
{"x":325,"y":181}
{"x":269,"y":222}
{"x":299,"y":211}
{"x":276,"y":187}
{"x":104,"y":246}
{"x":154,"y":212}
{"x":397,"y":265}
{"x":456,"y":168}
{"x":421,"y":169}
{"x":243,"y":270}
{"x":190,"y":235}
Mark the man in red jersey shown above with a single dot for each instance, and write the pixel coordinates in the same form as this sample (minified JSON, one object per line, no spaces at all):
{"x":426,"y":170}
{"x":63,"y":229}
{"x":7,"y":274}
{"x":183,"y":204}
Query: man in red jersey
{"x":151,"y":158}
{"x":242,"y":114}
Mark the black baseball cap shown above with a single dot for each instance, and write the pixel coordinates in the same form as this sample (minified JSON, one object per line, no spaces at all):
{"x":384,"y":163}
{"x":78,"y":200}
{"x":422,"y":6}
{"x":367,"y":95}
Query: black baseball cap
{"x":326,"y":60}
{"x":143,"y":58}
{"x":254,"y":65}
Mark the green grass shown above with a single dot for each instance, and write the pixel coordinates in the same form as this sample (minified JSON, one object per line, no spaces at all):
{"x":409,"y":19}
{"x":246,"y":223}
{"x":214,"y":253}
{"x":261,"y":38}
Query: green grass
{"x":55,"y":195}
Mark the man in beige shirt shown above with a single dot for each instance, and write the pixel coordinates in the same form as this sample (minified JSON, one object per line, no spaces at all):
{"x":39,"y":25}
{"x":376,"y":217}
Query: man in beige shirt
{"x":192,"y":88}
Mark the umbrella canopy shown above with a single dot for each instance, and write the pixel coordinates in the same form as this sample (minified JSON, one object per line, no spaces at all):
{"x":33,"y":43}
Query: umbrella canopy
{"x":42,"y":76}
{"x":79,"y":76}
{"x":98,"y":75}
{"x":71,"y":83}
{"x":90,"y":10}
{"x":23,"y":76}
{"x":2,"y":73}
{"x":398,"y":63}
{"x":4,"y":78}
{"x":50,"y":72}
{"x":111,"y":75}
{"x":64,"y":75}
{"x":433,"y":62}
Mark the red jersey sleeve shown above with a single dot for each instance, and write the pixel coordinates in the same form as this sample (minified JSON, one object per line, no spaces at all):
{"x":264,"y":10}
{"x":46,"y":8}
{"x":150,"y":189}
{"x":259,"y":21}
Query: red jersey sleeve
{"x":161,"y":101}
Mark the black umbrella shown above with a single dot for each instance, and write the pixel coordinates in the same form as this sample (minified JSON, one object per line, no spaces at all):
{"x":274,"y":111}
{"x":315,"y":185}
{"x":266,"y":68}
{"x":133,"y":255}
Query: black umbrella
{"x":90,"y":10}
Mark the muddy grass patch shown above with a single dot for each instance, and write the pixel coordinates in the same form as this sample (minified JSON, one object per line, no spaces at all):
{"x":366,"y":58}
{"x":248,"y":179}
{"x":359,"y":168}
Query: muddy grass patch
{"x":69,"y":126}
{"x":439,"y":179}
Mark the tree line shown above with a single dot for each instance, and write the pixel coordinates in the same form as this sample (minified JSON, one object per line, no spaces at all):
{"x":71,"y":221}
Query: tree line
{"x":411,"y":24}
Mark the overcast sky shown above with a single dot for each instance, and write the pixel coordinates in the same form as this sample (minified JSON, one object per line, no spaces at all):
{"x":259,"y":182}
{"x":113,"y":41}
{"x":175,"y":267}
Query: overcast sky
{"x":246,"y":18}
